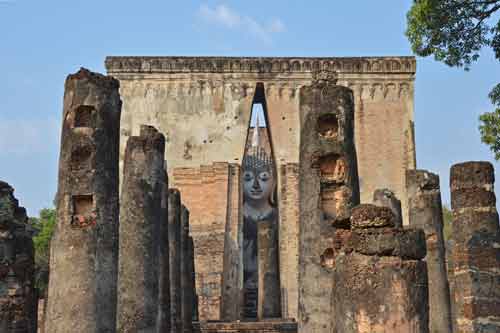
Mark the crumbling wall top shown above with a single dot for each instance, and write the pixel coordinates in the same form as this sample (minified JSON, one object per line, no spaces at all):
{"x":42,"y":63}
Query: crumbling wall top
{"x":136,"y":64}
{"x":103,"y":81}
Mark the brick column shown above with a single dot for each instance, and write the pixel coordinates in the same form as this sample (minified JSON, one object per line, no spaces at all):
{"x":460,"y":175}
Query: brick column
{"x":426,"y":212}
{"x":476,"y":248}
{"x":84,"y":248}
{"x":380,"y":278}
{"x":140,"y":226}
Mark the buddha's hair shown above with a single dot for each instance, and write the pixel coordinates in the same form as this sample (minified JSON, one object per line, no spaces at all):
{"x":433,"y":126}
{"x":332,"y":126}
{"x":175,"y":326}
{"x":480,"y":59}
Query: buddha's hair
{"x":258,"y":159}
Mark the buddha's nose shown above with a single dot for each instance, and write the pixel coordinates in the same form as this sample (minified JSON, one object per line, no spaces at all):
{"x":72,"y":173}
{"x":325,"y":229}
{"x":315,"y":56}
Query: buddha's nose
{"x":256,"y":184}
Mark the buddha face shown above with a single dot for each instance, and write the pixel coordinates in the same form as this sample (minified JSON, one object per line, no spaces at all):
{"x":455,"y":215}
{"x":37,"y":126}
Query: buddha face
{"x":258,"y":185}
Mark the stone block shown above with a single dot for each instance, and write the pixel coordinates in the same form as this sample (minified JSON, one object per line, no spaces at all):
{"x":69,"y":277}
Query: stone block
{"x":380,"y":294}
{"x":371,"y":216}
{"x":387,"y":198}
{"x":403,"y":243}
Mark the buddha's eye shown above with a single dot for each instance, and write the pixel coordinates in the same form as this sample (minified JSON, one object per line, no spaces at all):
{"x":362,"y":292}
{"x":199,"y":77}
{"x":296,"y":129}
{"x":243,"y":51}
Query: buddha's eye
{"x":264,"y":176}
{"x":247,"y":177}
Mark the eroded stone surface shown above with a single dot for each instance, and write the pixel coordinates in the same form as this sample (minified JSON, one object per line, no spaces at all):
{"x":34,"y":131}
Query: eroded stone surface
{"x":18,"y":297}
{"x":84,"y":247}
{"x":387,"y":198}
{"x":187,"y":289}
{"x":268,"y":326}
{"x":141,"y":215}
{"x":403,"y":243}
{"x":379,"y":277}
{"x":269,"y":278}
{"x":371,"y":216}
{"x":379,"y":294}
{"x":174,"y":233}
{"x":231,"y":298}
{"x":328,"y":187}
{"x":163,"y":317}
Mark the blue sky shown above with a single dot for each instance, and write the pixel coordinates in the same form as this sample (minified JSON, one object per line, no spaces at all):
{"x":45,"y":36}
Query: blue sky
{"x":42,"y":41}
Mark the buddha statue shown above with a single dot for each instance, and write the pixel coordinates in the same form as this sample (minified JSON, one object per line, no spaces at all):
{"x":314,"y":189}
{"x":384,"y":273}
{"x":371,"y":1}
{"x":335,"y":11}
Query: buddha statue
{"x":259,"y":187}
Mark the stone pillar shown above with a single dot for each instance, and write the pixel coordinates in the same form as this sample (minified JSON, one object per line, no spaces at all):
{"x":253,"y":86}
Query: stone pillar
{"x":140,"y":221}
{"x":426,"y":212}
{"x":232,"y":262}
{"x":163,"y":318}
{"x":451,"y":280}
{"x":186,"y":291}
{"x":18,"y":297}
{"x":192,"y":281}
{"x":328,"y":187}
{"x":174,"y":244}
{"x":269,"y":300}
{"x":84,"y":247}
{"x":380,"y":278}
{"x":476,"y":248}
{"x":289,"y":239}
{"x":387,"y":198}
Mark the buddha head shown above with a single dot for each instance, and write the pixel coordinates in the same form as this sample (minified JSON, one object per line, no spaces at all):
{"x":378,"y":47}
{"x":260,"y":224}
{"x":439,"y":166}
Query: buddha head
{"x":258,"y":178}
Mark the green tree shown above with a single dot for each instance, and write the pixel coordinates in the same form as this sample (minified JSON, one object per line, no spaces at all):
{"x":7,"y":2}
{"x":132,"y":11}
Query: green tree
{"x":455,"y":31}
{"x":46,"y":225}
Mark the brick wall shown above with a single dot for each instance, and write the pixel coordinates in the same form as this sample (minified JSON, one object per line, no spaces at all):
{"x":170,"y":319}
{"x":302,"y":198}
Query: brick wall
{"x":204,"y":192}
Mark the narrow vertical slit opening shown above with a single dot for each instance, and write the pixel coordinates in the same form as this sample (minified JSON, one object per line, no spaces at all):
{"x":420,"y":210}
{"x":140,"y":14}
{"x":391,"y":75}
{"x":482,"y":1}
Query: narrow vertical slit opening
{"x":259,"y":183}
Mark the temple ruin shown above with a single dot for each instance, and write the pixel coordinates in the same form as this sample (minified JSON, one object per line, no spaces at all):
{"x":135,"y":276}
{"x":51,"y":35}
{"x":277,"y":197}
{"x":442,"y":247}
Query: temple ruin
{"x":259,"y":195}
{"x":203,"y":106}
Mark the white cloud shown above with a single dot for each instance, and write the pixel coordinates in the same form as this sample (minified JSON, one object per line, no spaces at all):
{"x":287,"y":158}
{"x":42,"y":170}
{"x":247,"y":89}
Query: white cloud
{"x":28,"y":136}
{"x":220,"y":14}
{"x":229,"y":18}
{"x":277,"y":25}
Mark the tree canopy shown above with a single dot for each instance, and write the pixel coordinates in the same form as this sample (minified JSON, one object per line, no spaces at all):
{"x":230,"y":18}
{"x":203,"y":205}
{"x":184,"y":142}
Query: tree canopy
{"x":455,"y":31}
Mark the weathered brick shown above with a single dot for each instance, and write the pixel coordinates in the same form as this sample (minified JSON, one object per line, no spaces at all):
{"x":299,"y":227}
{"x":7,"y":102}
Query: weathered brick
{"x":380,"y":279}
{"x":476,"y":248}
